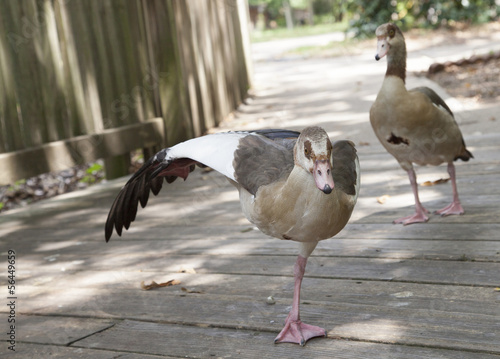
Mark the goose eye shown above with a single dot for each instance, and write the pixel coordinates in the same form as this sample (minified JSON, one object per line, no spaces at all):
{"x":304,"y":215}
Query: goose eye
{"x":391,"y":32}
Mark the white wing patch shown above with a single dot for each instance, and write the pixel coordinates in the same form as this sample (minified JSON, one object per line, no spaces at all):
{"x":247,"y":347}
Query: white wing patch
{"x":215,"y":151}
{"x":358,"y":179}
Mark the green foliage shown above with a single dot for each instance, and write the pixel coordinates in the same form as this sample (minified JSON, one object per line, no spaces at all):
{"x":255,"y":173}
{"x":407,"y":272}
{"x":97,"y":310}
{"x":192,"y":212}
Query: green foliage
{"x":17,"y":185}
{"x":91,"y":172}
{"x":368,"y":14}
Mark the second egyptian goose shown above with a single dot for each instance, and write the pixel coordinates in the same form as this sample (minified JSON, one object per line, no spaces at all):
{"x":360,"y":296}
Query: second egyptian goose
{"x":301,"y":189}
{"x":414,"y":126}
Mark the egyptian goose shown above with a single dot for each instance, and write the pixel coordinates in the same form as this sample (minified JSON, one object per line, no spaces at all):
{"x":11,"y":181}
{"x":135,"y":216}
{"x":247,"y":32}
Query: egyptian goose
{"x":292,"y":187}
{"x":414,"y":126}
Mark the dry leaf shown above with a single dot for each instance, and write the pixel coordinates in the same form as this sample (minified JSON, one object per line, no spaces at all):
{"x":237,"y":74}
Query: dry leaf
{"x":191,"y":290}
{"x":154,"y":285}
{"x":433,"y":183}
{"x":497,"y":289}
{"x":383,"y":199}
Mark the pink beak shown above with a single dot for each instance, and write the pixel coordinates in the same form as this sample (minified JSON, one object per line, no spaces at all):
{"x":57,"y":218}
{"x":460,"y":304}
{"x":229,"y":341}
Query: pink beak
{"x":322,"y":173}
{"x":382,"y":48}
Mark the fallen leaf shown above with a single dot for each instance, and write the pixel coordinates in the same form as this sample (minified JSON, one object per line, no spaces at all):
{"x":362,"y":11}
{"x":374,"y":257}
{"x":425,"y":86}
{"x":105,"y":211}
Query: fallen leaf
{"x":363,"y":143}
{"x":191,"y":290}
{"x":383,"y":199}
{"x":246,"y":230}
{"x":433,"y":183}
{"x":154,"y":285}
{"x":497,"y":289}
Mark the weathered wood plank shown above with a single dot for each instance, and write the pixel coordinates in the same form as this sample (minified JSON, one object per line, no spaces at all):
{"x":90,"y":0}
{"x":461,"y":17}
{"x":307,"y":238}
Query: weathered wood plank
{"x":47,"y":226}
{"x":101,"y":288}
{"x":77,"y":150}
{"x":163,"y":339}
{"x":80,"y":248}
{"x":446,"y":272}
{"x":57,"y":330}
{"x":395,"y":316}
{"x":29,"y":350}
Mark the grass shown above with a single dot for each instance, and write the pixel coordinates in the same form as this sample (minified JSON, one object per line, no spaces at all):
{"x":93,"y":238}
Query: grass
{"x":297,"y":31}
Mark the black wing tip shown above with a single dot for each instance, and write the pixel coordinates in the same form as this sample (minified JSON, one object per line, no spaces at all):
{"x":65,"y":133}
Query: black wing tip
{"x":465,"y":156}
{"x":149,"y":178}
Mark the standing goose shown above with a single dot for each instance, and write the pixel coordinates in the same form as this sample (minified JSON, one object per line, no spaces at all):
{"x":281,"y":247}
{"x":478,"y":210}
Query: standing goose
{"x":414,"y":126}
{"x":302,"y":189}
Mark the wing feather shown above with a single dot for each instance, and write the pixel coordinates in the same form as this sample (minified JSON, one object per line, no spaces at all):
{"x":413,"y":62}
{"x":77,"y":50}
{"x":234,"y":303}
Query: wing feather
{"x":216,"y":151}
{"x":434,"y":97}
{"x":345,"y":167}
{"x":259,"y":161}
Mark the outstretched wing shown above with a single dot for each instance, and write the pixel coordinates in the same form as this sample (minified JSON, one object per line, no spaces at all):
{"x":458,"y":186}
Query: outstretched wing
{"x":215,"y":151}
{"x":251,"y":159}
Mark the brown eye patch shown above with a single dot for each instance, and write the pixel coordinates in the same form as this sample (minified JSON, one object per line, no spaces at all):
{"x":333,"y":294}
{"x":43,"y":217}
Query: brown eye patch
{"x":307,"y":149}
{"x":392,"y":32}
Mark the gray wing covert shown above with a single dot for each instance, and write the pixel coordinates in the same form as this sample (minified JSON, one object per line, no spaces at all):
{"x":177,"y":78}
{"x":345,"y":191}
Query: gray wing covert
{"x":434,"y":97}
{"x":344,"y":169}
{"x":259,"y":161}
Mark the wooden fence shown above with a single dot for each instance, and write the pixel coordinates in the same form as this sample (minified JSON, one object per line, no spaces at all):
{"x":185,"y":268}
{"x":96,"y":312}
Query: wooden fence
{"x":85,"y":79}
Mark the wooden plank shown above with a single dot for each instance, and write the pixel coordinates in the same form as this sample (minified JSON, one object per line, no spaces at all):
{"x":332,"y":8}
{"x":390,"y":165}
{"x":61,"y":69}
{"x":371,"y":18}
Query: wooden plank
{"x":11,"y":135}
{"x":29,"y":350}
{"x":41,"y":329}
{"x":146,"y":229}
{"x":437,"y":272}
{"x":160,"y":339}
{"x":251,"y":243}
{"x":386,"y":313}
{"x":98,"y":291}
{"x":77,"y":150}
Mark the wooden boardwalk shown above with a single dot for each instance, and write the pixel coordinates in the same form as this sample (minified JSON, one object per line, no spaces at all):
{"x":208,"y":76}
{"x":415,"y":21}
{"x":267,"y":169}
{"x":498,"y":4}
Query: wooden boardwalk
{"x":381,"y":290}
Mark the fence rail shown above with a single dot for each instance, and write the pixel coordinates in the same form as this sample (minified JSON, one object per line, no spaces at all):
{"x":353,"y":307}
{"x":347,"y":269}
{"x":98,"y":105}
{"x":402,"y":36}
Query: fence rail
{"x":78,"y":68}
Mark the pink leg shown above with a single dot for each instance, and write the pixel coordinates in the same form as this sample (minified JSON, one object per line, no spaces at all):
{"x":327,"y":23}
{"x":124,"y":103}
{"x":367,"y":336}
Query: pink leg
{"x":454,"y":207}
{"x":420,"y":212}
{"x":294,"y":330}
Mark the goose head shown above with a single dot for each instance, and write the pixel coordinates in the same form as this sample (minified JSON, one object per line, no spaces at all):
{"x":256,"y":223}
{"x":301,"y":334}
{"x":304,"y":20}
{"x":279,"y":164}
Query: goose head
{"x":313,"y":153}
{"x":390,"y":39}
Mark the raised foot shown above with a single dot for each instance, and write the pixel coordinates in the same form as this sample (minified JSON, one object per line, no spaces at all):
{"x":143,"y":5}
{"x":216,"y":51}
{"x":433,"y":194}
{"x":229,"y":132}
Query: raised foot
{"x":299,"y":333}
{"x":452,"y":208}
{"x":418,"y":217}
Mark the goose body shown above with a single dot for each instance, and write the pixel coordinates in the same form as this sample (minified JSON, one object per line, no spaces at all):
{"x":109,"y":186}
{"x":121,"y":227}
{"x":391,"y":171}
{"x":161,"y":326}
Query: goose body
{"x":292,"y":186}
{"x":416,"y":126}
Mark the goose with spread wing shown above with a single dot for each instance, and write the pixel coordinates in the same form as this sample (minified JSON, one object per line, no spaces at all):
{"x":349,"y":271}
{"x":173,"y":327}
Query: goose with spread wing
{"x":299,"y":187}
{"x":414,"y":126}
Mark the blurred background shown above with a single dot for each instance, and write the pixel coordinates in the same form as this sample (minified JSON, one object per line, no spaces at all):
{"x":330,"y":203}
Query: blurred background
{"x":270,"y":18}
